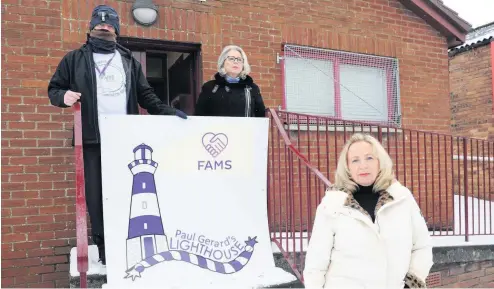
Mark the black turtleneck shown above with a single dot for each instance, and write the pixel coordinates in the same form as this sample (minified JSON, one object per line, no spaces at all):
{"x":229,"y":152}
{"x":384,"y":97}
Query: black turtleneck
{"x":367,"y":199}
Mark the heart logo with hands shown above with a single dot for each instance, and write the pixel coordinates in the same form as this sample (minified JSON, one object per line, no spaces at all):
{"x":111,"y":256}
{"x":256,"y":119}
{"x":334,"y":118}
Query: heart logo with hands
{"x":214,"y":143}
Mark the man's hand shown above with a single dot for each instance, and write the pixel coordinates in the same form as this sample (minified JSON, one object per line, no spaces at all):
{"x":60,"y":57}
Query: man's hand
{"x":70,"y":97}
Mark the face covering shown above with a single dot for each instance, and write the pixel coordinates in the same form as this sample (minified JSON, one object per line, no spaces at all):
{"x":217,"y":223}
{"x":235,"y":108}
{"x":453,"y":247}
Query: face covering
{"x":103,"y":41}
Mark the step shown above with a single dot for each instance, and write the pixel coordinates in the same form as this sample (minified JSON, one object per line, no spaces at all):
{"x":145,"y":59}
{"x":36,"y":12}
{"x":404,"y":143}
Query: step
{"x":96,"y":275}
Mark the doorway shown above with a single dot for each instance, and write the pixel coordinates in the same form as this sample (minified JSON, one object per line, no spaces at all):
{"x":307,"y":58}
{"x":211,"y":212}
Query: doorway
{"x":173,"y":70}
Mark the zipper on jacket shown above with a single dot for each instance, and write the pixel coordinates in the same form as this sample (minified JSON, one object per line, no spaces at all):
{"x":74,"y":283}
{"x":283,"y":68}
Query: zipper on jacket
{"x":95,"y":96}
{"x":247,"y":101}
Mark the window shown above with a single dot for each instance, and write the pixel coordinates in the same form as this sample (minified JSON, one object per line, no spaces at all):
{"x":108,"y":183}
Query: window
{"x":341,"y":85}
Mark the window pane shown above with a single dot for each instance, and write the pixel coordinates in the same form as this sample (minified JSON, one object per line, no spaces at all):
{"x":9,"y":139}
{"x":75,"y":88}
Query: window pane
{"x":154,"y":67}
{"x":363,"y":93}
{"x":309,"y":86}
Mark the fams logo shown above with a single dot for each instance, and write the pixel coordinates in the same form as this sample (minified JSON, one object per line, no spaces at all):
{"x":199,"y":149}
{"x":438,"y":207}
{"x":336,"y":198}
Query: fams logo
{"x":214,"y":144}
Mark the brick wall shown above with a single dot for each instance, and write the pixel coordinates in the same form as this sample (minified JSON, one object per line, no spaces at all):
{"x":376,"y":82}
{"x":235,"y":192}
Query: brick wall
{"x":37,"y":161}
{"x":470,"y":75}
{"x":466,"y":275}
{"x":471,"y":95}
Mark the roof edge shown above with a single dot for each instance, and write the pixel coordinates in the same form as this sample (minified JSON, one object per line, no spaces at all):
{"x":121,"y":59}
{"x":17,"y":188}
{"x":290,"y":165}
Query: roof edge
{"x":480,"y":43}
{"x":442,"y":18}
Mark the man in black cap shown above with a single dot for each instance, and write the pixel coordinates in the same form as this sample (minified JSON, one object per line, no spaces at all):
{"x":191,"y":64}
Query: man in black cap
{"x":106,"y":79}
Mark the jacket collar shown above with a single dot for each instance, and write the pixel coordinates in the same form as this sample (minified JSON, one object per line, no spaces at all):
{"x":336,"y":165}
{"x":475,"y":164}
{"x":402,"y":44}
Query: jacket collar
{"x":384,"y":198}
{"x":221,"y":81}
{"x":394,"y":193}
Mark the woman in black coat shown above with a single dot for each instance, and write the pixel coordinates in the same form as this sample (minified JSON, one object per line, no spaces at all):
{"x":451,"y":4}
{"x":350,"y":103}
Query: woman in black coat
{"x":232,"y":92}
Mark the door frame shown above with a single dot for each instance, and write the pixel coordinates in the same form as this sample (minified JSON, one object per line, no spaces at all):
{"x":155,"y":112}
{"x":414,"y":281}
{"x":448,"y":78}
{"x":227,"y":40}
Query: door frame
{"x":156,"y":46}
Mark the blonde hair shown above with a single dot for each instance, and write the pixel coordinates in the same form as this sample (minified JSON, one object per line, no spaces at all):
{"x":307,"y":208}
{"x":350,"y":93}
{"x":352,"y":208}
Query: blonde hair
{"x":221,"y":61}
{"x":385,"y":177}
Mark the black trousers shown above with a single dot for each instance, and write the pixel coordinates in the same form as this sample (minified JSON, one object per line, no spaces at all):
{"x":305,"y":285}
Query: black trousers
{"x":94,"y":196}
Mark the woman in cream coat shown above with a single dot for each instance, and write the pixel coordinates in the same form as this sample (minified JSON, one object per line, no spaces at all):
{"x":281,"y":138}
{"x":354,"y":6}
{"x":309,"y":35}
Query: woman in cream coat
{"x":368,"y":231}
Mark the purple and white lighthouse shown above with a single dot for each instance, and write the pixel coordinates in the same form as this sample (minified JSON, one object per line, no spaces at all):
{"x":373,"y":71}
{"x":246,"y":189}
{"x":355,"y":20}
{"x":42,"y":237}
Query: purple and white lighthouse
{"x":146,"y":235}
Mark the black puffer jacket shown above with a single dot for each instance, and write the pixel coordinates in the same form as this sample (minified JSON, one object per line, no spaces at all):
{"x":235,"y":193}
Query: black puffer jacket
{"x":76,"y":72}
{"x":220,"y":98}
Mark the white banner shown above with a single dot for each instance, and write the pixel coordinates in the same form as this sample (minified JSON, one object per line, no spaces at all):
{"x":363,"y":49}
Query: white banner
{"x":185,"y":201}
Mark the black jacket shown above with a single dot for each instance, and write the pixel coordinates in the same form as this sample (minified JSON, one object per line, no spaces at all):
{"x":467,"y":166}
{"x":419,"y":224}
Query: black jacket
{"x":76,"y":72}
{"x":220,"y":98}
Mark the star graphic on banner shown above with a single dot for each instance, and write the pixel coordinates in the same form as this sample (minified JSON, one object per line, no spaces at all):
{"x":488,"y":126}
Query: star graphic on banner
{"x":133,"y":273}
{"x":251,"y":241}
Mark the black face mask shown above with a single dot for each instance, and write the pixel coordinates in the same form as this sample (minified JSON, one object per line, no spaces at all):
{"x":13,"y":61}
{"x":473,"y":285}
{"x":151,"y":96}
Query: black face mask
{"x":102,"y":41}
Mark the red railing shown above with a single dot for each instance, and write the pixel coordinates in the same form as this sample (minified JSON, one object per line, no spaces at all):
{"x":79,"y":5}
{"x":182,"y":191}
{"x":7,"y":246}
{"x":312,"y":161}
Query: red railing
{"x":295,"y":188}
{"x":81,"y":222}
{"x":443,"y":171}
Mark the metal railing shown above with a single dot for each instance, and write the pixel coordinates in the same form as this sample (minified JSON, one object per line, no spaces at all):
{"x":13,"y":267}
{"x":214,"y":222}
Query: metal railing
{"x":451,"y":177}
{"x":81,"y":221}
{"x":295,"y":188}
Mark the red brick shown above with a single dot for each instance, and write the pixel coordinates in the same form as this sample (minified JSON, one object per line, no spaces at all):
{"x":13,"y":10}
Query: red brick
{"x":39,"y":185}
{"x":52,"y":210}
{"x":39,"y":236}
{"x":21,"y":262}
{"x":54,"y":260}
{"x":27,"y":245}
{"x":65,"y":234}
{"x":11,"y":169}
{"x":20,"y":59}
{"x":25,"y":212}
{"x":62,"y":268}
{"x":49,"y":284}
{"x":11,"y":272}
{"x":6,"y":230}
{"x":12,"y":254}
{"x":26,"y":229}
{"x":23,"y":160}
{"x":54,"y":243}
{"x":54,"y":276}
{"x":7,"y":282}
{"x":41,"y":269}
{"x":13,"y":203}
{"x":13,"y":220}
{"x":25,"y":194}
{"x":40,"y":253}
{"x":471,"y":275}
{"x":53,"y":227}
{"x":24,"y":178}
{"x":467,"y":283}
{"x":487,"y":279}
{"x":40,"y":202}
{"x":26,"y":279}
{"x":39,"y":219}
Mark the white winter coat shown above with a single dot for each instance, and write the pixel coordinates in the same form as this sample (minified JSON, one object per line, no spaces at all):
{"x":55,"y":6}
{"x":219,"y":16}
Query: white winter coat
{"x":348,"y":250}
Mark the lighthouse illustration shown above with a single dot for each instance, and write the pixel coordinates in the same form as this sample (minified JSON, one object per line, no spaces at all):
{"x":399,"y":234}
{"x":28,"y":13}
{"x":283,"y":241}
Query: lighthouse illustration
{"x":146,"y":236}
{"x":147,"y":243}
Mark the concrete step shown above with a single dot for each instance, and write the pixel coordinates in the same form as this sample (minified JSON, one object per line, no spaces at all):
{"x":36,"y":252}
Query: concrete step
{"x":97,"y":272}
